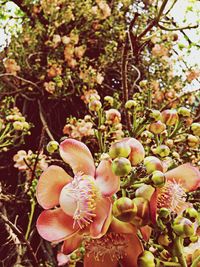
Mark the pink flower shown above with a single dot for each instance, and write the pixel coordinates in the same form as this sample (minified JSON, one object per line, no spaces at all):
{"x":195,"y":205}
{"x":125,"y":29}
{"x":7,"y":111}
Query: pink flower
{"x":84,"y":204}
{"x":172,"y":195}
{"x":115,"y":246}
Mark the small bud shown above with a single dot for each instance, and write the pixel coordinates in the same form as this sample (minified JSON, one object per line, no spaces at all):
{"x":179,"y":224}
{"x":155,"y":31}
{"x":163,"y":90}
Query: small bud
{"x":124,"y":209}
{"x":169,"y":143}
{"x":18,"y":125}
{"x":145,"y":259}
{"x":164,"y":215}
{"x":95,"y":105}
{"x":52,"y":146}
{"x":192,"y":140}
{"x":130,"y":104}
{"x":183,"y":227}
{"x":185,"y":112}
{"x":191,"y":214}
{"x":158,"y":179}
{"x":195,"y":127}
{"x":152,"y":164}
{"x":119,"y":149}
{"x":169,"y":117}
{"x":164,"y":240}
{"x":157,"y":127}
{"x":26,"y":126}
{"x":155,"y":114}
{"x":121,"y":166}
{"x":109,"y":99}
{"x":143,"y":83}
{"x":137,"y":151}
{"x":163,"y":151}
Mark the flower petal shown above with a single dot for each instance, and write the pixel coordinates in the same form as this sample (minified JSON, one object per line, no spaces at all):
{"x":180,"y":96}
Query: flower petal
{"x":101,"y":222}
{"x":50,"y":185}
{"x":137,"y":151}
{"x":153,"y":206}
{"x":106,"y":180}
{"x":91,"y":261}
{"x":118,"y":226}
{"x":146,"y":232}
{"x":133,"y":250}
{"x":62,"y":259}
{"x":55,"y":225}
{"x":78,"y":156}
{"x":187,"y":175}
{"x":71,"y":243}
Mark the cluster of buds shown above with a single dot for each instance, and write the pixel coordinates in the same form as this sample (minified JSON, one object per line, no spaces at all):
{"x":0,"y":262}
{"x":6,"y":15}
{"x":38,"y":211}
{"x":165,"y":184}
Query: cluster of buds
{"x":79,"y":129}
{"x":11,"y":66}
{"x":13,"y":126}
{"x":30,"y":162}
{"x":101,"y":10}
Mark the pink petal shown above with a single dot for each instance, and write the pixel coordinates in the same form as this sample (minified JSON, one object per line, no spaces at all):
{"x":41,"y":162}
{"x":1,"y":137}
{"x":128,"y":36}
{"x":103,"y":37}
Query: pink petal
{"x":120,"y":227}
{"x":133,"y":250}
{"x":55,"y":225}
{"x":137,"y":151}
{"x":106,"y":261}
{"x":71,"y":244}
{"x":106,"y":180}
{"x":50,"y":185}
{"x":187,"y":175}
{"x":62,"y":259}
{"x":78,"y":156}
{"x":101,"y":222}
{"x":146,"y":232}
{"x":153,"y":206}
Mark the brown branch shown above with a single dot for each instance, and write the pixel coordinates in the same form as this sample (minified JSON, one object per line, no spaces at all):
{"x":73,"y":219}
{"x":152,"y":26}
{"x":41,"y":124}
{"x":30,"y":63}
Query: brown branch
{"x":44,"y":122}
{"x":21,"y":237}
{"x":124,"y":82}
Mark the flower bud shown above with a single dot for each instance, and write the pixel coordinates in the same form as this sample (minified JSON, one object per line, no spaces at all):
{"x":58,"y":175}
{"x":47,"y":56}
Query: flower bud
{"x":155,"y":114}
{"x":26,"y":126}
{"x":164,"y":215}
{"x":143,"y":83}
{"x":164,"y":240}
{"x":183,"y":227}
{"x":109,"y":99}
{"x":145,"y":259}
{"x":157,"y":127}
{"x":130,"y":104}
{"x":52,"y":146}
{"x":137,"y":151}
{"x":142,"y":216}
{"x":195,"y":127}
{"x":121,"y":166}
{"x":169,"y":117}
{"x":192,"y":140}
{"x":158,"y":179}
{"x":124,"y":209}
{"x":191,"y":214}
{"x":95,"y":105}
{"x":18,"y":125}
{"x":119,"y":149}
{"x":185,"y":112}
{"x":162,"y":151}
{"x":169,"y":143}
{"x":152,"y":164}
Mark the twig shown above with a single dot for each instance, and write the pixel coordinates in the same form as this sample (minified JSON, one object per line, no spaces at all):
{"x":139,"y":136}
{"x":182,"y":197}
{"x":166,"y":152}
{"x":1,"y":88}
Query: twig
{"x":44,"y":122}
{"x":21,"y":237}
{"x":124,"y":82}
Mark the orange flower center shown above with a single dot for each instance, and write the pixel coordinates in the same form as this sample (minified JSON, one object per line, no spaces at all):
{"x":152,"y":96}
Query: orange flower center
{"x":112,"y":245}
{"x":172,"y":196}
